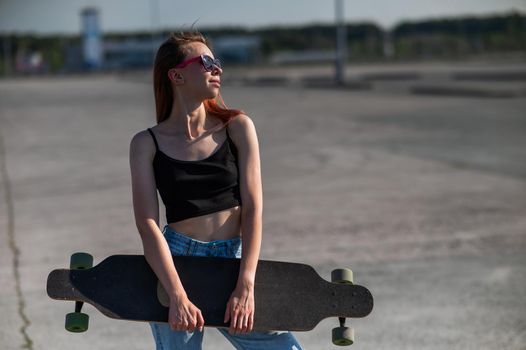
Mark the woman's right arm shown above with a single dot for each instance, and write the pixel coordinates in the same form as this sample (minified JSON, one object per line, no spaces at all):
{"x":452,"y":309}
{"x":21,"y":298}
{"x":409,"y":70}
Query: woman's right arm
{"x":183,"y":314}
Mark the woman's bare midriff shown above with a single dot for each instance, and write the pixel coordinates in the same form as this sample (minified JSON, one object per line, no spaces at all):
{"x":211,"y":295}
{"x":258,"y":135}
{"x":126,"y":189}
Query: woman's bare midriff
{"x":225,"y":224}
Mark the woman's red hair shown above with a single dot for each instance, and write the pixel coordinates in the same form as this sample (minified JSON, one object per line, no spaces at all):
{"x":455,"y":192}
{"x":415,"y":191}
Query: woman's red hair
{"x":170,"y":53}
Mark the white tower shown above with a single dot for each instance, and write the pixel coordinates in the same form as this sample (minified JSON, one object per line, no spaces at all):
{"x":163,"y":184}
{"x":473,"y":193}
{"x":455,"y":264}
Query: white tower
{"x":91,"y":38}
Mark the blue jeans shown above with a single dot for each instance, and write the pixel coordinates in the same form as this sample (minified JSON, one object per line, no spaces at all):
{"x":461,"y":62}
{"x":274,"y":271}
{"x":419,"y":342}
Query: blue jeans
{"x":166,"y":338}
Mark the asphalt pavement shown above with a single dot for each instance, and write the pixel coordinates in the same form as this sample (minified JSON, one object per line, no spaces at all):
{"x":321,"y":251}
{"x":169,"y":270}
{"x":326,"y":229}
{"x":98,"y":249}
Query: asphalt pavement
{"x":423,"y":195}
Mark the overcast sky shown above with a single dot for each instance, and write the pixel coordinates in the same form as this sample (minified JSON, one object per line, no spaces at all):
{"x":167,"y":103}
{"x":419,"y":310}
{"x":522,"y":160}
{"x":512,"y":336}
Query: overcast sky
{"x":62,"y":16}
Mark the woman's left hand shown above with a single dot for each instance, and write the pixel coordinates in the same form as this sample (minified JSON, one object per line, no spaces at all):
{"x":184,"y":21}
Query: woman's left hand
{"x":240,"y":309}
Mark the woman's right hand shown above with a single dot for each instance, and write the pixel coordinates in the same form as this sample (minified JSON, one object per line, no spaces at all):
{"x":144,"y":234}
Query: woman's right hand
{"x":184,"y":315}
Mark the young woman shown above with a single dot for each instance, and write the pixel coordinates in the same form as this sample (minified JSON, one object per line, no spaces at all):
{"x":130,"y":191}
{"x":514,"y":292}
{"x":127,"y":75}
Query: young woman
{"x":204,"y":160}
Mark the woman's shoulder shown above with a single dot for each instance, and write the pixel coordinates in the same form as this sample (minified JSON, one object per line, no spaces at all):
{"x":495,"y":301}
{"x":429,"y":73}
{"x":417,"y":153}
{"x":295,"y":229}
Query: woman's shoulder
{"x":240,"y":124}
{"x":242,"y":131}
{"x":142,"y":141}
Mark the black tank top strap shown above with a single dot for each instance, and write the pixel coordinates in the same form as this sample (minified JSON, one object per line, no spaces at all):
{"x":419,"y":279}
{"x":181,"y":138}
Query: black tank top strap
{"x":154,"y":139}
{"x":231,"y":144}
{"x":227,"y":124}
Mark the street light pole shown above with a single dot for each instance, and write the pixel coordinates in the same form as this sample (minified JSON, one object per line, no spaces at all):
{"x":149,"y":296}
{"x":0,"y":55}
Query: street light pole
{"x":341,"y":42}
{"x":7,"y":54}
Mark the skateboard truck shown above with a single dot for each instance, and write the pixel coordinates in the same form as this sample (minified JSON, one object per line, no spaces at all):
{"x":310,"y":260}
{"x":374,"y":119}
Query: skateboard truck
{"x":342,"y":336}
{"x":77,"y":321}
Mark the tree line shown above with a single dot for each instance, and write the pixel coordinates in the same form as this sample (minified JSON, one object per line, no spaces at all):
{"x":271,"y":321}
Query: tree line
{"x":408,"y":40}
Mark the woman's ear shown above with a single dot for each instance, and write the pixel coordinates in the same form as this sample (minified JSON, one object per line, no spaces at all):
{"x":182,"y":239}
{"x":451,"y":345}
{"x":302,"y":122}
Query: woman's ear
{"x":175,"y":77}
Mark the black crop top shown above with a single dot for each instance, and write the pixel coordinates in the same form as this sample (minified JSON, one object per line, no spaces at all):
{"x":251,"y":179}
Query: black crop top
{"x":193,"y":188}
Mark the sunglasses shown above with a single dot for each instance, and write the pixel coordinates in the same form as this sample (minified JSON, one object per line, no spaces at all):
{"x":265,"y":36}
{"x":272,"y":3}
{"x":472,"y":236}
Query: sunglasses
{"x":207,"y":62}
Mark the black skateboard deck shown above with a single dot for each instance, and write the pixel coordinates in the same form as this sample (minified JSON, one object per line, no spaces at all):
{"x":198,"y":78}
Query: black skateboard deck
{"x":288,"y":296}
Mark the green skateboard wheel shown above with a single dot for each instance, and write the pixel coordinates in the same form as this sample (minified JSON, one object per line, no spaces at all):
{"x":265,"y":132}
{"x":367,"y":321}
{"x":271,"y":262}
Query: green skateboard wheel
{"x":343,"y":276}
{"x":81,"y":261}
{"x":77,"y":322}
{"x":342,"y":336}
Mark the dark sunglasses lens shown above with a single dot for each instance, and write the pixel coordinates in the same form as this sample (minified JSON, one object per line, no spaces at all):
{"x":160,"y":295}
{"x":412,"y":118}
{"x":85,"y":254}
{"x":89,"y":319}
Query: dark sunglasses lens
{"x":209,"y":63}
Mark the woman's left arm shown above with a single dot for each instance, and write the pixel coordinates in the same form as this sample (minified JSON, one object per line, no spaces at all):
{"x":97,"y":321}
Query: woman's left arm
{"x":240,"y":308}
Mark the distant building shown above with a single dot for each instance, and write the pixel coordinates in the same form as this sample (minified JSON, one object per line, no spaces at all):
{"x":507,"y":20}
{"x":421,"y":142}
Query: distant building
{"x":139,"y":53}
{"x":237,"y":49}
{"x":129,"y":53}
{"x":305,"y":56}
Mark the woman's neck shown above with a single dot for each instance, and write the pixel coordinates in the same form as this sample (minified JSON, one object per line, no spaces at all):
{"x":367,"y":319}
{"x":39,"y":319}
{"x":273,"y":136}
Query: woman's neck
{"x":191,"y":121}
{"x":187,"y":119}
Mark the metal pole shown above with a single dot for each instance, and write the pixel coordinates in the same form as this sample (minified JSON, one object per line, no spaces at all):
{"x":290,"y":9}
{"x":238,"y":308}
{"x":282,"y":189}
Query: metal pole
{"x":388,"y":48}
{"x":7,"y":54}
{"x":341,"y":43}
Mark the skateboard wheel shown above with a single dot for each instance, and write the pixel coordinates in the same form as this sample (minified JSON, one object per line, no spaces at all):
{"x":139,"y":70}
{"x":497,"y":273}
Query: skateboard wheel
{"x":77,"y":322}
{"x":342,"y":336}
{"x":81,"y":261}
{"x":343,"y":276}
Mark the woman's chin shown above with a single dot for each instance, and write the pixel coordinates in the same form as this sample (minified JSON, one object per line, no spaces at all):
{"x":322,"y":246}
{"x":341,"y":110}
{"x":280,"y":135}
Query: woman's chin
{"x":213,"y":94}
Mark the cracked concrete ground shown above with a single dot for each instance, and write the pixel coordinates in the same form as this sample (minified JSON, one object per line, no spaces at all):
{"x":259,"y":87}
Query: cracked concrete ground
{"x":423,"y":196}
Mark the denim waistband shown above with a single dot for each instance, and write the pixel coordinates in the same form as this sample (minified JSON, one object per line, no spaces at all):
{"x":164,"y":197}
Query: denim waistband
{"x":181,"y":244}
